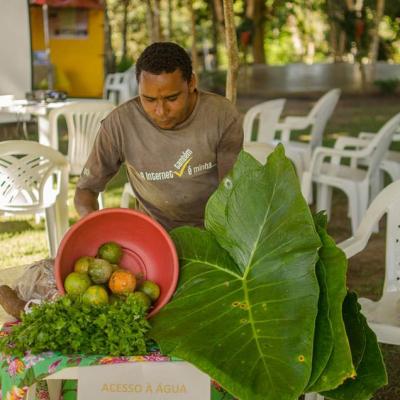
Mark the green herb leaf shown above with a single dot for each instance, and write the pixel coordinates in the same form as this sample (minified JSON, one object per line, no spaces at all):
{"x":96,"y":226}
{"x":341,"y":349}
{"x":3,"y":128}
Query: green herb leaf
{"x":68,"y":326}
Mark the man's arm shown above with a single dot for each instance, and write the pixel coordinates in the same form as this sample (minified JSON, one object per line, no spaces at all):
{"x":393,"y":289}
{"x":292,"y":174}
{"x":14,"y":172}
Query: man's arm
{"x":85,"y":201}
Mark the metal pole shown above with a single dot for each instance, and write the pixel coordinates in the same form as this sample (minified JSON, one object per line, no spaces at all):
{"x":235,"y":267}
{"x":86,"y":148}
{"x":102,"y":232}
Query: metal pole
{"x":46,"y":33}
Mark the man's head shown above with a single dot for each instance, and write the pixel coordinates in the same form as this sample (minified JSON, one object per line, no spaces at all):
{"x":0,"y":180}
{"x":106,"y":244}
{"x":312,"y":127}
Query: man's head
{"x":166,"y":83}
{"x":162,"y":57}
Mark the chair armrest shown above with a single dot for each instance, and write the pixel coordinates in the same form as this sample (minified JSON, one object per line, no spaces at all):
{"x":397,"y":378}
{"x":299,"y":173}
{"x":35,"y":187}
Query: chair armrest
{"x":322,"y":152}
{"x":366,"y":135}
{"x":370,"y":135}
{"x":386,"y":202}
{"x":291,"y":124}
{"x":353,"y":246}
{"x":396,"y":137}
{"x":294,"y":123}
{"x":347,"y":141}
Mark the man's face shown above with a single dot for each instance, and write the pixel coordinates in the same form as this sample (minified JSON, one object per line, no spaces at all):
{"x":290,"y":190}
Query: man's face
{"x":167,"y":98}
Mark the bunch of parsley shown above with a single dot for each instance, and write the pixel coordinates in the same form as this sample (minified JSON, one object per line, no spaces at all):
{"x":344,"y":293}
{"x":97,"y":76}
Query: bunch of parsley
{"x":69,"y":326}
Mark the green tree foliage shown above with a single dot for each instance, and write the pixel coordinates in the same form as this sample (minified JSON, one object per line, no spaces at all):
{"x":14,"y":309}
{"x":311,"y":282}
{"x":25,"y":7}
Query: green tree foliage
{"x":293,"y":31}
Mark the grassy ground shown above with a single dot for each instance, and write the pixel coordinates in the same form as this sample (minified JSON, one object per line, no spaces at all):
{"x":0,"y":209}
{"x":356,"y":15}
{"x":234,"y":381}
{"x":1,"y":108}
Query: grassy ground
{"x":23,"y":240}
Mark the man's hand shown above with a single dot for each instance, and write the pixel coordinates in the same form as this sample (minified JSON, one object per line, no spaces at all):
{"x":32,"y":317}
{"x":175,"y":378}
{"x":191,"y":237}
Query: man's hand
{"x":85,"y":201}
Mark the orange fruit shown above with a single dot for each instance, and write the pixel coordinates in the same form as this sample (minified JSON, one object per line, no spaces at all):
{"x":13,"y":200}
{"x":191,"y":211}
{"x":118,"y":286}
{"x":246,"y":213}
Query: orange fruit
{"x":76,"y":283}
{"x":96,"y":295}
{"x":122,"y":281}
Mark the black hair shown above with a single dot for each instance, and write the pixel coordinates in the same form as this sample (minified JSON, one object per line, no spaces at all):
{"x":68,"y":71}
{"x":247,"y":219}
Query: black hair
{"x":162,"y":57}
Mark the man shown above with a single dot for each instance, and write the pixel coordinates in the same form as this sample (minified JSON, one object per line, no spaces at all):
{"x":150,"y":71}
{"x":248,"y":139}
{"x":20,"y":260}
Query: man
{"x":177,"y":142}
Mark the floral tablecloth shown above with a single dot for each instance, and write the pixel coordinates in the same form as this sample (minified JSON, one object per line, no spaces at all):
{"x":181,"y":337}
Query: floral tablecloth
{"x":17,"y":374}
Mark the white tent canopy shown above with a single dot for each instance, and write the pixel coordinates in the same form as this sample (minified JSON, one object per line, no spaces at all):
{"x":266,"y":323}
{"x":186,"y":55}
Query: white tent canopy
{"x":15,"y":48}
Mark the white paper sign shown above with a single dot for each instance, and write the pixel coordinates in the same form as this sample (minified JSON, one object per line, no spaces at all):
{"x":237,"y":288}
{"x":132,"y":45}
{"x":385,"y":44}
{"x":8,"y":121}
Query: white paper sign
{"x":143,"y":381}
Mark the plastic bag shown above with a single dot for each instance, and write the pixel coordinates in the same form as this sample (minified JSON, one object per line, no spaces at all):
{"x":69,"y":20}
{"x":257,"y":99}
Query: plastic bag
{"x":37,"y":282}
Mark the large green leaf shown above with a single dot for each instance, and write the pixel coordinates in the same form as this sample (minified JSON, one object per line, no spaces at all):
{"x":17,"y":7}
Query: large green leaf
{"x":339,"y":366}
{"x":245,"y":312}
{"x":215,"y":220}
{"x":371,"y":372}
{"x":259,"y":208}
{"x":323,"y":336}
{"x":355,"y":331}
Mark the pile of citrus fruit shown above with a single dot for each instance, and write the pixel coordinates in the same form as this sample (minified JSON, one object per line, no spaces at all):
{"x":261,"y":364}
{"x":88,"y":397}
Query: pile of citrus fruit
{"x":101,"y":280}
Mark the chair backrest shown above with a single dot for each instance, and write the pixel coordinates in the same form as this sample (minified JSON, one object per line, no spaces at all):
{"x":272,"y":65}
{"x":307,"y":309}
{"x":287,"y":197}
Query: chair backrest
{"x":133,"y":85}
{"x":26,"y":170}
{"x":258,"y":150}
{"x":121,"y":86}
{"x":387,"y":202}
{"x":268,"y":114}
{"x":381,"y":142}
{"x":83,"y":122}
{"x":320,"y":114}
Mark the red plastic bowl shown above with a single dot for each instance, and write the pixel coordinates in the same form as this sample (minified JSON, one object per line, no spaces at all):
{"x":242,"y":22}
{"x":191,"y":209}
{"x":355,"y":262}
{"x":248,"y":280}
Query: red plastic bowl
{"x":148,"y":250}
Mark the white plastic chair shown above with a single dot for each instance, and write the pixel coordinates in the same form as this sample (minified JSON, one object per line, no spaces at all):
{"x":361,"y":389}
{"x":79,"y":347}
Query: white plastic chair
{"x":33,"y":179}
{"x":83,"y":122}
{"x":267,"y":114}
{"x":13,"y":117}
{"x":352,"y":180}
{"x":127,"y":193}
{"x":121,"y":86}
{"x":383,"y":315}
{"x":317,"y":120}
{"x":258,"y":150}
{"x":390,"y":163}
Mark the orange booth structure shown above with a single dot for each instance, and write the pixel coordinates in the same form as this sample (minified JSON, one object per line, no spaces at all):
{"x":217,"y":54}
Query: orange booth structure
{"x":69,"y":34}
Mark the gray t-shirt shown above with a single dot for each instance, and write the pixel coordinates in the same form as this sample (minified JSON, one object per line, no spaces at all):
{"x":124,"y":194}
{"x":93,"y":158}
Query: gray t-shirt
{"x":172,"y":172}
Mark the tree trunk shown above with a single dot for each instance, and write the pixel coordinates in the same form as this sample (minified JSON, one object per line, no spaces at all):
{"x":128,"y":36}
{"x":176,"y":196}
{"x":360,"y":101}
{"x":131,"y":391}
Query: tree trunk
{"x":334,"y":31}
{"x":109,"y":56}
{"x":124,"y":30}
{"x":350,"y":4}
{"x":153,"y":20}
{"x":214,"y":33}
{"x":363,"y":74}
{"x":342,"y":44}
{"x":219,"y":13}
{"x":380,"y":8}
{"x":255,"y":10}
{"x":169,"y":23}
{"x":157,"y":21}
{"x":233,"y":53}
{"x":195,"y":59}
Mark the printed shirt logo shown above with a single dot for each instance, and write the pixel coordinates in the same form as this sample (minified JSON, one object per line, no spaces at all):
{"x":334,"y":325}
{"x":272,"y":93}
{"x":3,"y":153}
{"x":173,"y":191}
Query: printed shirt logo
{"x":181,"y":166}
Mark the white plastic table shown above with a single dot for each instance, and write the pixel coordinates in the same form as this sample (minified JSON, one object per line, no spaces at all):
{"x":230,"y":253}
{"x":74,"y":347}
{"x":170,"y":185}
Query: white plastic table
{"x":41,"y":110}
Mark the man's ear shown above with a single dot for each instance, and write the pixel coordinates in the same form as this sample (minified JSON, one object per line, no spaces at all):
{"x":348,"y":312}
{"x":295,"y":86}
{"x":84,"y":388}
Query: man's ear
{"x":193,"y":83}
